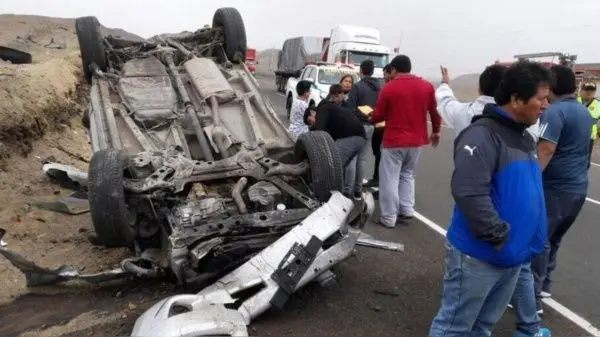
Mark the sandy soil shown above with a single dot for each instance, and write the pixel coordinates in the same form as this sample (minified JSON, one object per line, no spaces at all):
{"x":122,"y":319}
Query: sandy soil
{"x":41,"y":106}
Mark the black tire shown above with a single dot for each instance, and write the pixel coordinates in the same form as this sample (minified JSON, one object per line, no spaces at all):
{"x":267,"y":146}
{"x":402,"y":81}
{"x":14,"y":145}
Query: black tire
{"x":91,"y":45}
{"x":234,"y":33}
{"x":326,"y":170}
{"x":111,"y":218}
{"x":15,"y":56}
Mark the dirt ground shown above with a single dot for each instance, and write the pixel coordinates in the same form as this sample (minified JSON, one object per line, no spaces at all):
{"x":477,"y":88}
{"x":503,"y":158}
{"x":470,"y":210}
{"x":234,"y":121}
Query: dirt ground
{"x":41,"y":106}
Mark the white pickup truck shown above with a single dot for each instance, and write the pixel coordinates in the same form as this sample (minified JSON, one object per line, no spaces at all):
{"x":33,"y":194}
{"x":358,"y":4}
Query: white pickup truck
{"x":322,"y":75}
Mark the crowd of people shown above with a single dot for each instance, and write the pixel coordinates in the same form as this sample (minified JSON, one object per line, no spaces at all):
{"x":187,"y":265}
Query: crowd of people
{"x":522,"y":151}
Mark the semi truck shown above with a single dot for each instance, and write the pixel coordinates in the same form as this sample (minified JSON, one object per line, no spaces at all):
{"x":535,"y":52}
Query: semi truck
{"x":294,"y":55}
{"x":351,"y":45}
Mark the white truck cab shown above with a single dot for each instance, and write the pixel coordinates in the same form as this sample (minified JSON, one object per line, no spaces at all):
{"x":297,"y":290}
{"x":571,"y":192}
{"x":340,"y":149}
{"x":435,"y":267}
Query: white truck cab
{"x":351,"y":45}
{"x":322,"y":75}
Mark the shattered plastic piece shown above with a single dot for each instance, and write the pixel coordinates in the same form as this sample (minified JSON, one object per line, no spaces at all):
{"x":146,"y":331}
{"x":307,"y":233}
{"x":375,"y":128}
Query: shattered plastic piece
{"x":74,"y":203}
{"x":386,"y":245}
{"x":65,"y":173}
{"x":38,"y":276}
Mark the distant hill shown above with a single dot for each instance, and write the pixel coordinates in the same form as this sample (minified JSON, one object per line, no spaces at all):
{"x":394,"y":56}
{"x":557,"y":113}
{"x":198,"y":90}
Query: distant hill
{"x":465,"y":86}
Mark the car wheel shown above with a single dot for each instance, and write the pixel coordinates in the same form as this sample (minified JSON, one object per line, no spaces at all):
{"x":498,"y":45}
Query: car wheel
{"x":91,"y":45}
{"x":326,"y":171}
{"x":112,"y":220}
{"x":234,"y":33}
{"x":15,"y":56}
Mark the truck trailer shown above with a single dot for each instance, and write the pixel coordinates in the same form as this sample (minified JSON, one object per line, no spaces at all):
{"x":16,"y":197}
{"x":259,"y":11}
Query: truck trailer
{"x":294,"y":55}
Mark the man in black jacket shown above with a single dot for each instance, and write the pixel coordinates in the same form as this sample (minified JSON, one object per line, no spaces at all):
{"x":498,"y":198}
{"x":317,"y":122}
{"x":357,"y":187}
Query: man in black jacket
{"x":344,"y":127}
{"x":363,"y":93}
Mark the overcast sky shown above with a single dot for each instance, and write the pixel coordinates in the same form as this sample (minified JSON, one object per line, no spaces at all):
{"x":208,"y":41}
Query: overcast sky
{"x":465,"y":35}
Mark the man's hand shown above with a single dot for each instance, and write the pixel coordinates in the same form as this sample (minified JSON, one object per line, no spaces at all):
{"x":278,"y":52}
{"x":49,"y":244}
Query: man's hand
{"x":434,"y":139}
{"x":445,"y":76}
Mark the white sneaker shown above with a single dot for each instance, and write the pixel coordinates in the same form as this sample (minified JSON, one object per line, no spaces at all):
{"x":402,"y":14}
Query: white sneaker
{"x":365,"y":181}
{"x":510,"y":306}
{"x":540,"y":312}
{"x":545,"y":294}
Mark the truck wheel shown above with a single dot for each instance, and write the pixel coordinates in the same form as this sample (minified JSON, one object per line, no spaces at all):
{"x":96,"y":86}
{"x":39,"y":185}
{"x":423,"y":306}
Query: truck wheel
{"x":234,"y":33}
{"x":326,"y":171}
{"x":288,"y":106}
{"x":112,"y":220}
{"x":91,"y":45}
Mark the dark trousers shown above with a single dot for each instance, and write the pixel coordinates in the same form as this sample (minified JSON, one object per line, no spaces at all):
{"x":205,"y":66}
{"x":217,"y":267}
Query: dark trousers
{"x":562,"y":209}
{"x":591,"y":150}
{"x":376,"y":146}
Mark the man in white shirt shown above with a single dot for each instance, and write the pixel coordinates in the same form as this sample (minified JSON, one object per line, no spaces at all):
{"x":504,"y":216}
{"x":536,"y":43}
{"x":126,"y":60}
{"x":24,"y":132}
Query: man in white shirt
{"x":458,"y":115}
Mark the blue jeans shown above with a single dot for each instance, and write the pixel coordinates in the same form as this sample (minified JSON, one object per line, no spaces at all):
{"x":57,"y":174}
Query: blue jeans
{"x":524,"y":304}
{"x":474,"y":297}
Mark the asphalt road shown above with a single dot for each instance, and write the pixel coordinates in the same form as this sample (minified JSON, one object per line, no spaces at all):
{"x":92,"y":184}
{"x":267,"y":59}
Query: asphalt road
{"x":387,"y":293}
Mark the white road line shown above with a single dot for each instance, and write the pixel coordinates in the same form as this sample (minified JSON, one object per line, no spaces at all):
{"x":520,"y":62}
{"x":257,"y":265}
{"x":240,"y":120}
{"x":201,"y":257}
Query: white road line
{"x":561,"y":309}
{"x":593,"y":201}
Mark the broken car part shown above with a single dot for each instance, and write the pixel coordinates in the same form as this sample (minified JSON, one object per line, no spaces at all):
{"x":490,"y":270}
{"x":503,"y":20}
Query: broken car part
{"x":14,"y":56}
{"x":268,"y":279}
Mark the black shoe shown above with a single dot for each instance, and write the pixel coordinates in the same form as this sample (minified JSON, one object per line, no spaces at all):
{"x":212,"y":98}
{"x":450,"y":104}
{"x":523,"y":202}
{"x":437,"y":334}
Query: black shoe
{"x":357,"y":195}
{"x":403,"y":219}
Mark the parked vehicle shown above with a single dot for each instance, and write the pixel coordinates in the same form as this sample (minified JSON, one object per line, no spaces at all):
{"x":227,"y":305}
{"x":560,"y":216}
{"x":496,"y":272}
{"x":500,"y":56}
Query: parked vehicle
{"x":251,"y":60}
{"x":322,"y":75}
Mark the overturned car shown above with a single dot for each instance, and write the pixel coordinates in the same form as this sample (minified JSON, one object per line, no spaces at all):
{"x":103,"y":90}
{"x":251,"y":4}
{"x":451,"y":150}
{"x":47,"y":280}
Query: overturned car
{"x":194,"y":171}
{"x":191,"y":165}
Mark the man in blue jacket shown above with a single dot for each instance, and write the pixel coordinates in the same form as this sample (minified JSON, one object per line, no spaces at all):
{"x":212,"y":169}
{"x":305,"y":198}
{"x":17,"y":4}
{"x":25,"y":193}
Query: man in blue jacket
{"x":499,"y":219}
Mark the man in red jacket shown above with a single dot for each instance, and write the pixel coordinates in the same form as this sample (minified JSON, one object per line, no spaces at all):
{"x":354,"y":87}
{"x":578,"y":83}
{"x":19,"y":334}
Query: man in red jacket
{"x":403,"y":104}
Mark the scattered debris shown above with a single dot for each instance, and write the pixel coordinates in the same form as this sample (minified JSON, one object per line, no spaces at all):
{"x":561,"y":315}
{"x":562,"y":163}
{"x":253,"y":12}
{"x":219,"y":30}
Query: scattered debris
{"x":38,"y":276}
{"x":66,"y":176}
{"x":54,"y":45}
{"x":368,"y":241}
{"x":75,"y":203}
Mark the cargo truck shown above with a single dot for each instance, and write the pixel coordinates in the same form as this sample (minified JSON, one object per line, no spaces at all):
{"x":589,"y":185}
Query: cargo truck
{"x":294,"y":55}
{"x":251,"y":60}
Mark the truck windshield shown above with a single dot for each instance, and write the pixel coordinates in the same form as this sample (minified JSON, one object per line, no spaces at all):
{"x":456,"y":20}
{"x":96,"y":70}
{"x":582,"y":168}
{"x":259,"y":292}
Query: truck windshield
{"x":330,"y":76}
{"x":356,"y":58}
